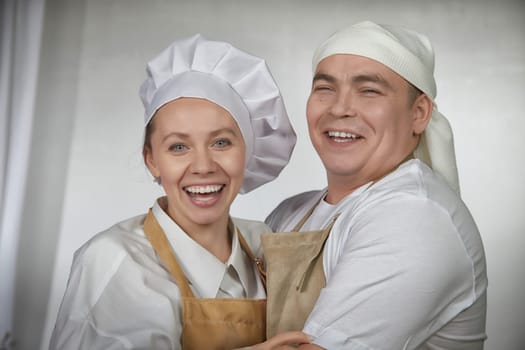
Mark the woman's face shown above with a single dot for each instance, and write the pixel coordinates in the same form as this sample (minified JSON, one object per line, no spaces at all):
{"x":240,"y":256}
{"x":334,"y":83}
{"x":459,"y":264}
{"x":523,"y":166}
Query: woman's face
{"x":198,"y":152}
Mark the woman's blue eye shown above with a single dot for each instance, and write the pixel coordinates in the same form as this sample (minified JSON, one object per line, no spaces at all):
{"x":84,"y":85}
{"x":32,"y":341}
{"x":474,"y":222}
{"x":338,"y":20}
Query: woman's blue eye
{"x":178,"y":147}
{"x":222,"y":143}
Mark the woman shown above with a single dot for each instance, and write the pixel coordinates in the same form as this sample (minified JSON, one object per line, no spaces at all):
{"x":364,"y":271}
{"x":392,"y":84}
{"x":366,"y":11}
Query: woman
{"x":186,"y":276}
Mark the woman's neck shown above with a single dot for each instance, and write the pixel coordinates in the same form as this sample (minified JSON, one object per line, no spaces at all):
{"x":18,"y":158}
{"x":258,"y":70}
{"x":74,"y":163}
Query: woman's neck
{"x":214,"y":237}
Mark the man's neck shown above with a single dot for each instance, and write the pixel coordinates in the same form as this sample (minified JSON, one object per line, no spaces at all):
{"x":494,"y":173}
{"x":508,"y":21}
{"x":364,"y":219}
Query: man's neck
{"x":339,"y":189}
{"x":341,"y":186}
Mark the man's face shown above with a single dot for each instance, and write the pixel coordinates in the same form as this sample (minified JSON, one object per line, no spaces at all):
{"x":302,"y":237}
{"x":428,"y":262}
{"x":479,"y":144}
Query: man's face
{"x":361,"y":121}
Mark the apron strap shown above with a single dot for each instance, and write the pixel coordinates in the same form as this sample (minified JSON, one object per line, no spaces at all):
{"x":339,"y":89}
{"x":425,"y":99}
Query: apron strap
{"x":162,"y":247}
{"x":324,"y":234}
{"x":259,"y":263}
{"x":307,"y":215}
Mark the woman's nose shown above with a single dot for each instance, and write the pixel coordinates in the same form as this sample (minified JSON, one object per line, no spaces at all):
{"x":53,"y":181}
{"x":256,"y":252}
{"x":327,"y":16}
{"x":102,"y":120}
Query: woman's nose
{"x":203,"y":162}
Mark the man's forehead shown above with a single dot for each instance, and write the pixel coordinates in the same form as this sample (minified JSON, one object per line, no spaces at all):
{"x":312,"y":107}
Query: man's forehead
{"x":337,"y":62}
{"x":349,"y":66}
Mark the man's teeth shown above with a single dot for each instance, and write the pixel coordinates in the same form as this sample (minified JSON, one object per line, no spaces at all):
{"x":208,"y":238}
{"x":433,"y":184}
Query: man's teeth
{"x":342,"y":134}
{"x":204,"y":189}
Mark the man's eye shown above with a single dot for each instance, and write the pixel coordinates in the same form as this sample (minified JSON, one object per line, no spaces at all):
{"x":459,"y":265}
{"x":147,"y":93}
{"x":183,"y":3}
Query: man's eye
{"x":221,"y":143}
{"x":178,"y":147}
{"x":370,"y":91}
{"x":322,"y":88}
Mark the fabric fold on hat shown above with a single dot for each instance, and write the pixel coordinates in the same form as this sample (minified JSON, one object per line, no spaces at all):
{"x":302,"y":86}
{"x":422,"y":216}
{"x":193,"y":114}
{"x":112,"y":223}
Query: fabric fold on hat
{"x":410,"y":55}
{"x":235,"y":80}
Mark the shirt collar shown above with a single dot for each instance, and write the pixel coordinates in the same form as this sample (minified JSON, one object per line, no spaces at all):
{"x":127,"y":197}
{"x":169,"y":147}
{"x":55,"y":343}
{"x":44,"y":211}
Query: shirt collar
{"x":202,"y":269}
{"x":243,"y":265}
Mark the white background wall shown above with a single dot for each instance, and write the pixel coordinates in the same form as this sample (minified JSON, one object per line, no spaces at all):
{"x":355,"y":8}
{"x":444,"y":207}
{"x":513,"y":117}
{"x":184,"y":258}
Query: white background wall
{"x":87,"y":172}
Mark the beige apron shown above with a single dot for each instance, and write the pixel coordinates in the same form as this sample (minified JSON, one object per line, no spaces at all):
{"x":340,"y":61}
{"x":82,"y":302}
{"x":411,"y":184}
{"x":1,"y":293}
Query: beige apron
{"x":295,"y":276}
{"x":294,"y":272}
{"x":211,"y":324}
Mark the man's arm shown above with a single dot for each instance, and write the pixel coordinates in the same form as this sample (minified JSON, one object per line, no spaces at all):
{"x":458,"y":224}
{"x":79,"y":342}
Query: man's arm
{"x":282,"y":341}
{"x":310,"y":347}
{"x":392,"y":279}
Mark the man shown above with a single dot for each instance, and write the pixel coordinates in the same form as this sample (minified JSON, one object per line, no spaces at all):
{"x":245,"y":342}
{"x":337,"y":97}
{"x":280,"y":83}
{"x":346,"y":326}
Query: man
{"x":389,"y":250}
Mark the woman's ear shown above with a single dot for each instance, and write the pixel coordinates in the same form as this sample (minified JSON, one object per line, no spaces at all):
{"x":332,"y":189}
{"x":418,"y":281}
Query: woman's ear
{"x":422,"y":112}
{"x":150,"y":162}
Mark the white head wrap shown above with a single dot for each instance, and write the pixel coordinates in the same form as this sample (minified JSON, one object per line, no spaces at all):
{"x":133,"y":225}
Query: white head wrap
{"x":238,"y":82}
{"x":410,"y":55}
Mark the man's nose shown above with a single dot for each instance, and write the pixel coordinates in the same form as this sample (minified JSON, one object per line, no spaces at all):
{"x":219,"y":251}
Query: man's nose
{"x":343,"y":105}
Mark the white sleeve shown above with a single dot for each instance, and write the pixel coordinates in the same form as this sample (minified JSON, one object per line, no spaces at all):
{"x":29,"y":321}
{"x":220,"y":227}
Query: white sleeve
{"x":113,"y":302}
{"x":400,"y":274}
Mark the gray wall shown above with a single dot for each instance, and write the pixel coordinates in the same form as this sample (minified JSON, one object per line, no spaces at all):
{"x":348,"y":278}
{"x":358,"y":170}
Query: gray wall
{"x":87,"y":173}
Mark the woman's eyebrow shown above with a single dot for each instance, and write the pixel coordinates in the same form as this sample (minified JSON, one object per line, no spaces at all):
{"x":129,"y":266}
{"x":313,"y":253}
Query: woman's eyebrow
{"x":185,"y":136}
{"x":223,"y":131}
{"x":176,"y":134}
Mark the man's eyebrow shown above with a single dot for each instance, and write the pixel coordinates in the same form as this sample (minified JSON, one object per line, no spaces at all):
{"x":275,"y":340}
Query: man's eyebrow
{"x":323,"y":76}
{"x":371,"y":78}
{"x":360,"y":78}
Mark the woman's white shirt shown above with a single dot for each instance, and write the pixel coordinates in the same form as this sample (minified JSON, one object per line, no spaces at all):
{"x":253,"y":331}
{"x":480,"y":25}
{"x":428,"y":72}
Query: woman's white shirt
{"x":119,"y":296}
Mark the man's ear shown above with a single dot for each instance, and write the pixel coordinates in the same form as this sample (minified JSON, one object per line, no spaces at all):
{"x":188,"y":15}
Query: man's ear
{"x":422,"y":111}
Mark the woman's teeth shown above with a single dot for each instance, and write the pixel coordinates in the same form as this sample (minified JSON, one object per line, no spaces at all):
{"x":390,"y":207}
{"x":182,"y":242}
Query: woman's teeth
{"x":203,"y":189}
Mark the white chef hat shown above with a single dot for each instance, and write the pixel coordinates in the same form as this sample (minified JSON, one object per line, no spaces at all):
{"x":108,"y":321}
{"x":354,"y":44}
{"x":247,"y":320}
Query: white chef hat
{"x":410,"y":55}
{"x":238,"y":82}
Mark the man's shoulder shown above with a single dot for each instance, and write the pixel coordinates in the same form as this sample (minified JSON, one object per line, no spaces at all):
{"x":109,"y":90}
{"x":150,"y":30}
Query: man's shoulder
{"x":289,"y":207}
{"x":413,"y":178}
{"x":298,"y":201}
{"x":301,"y":198}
